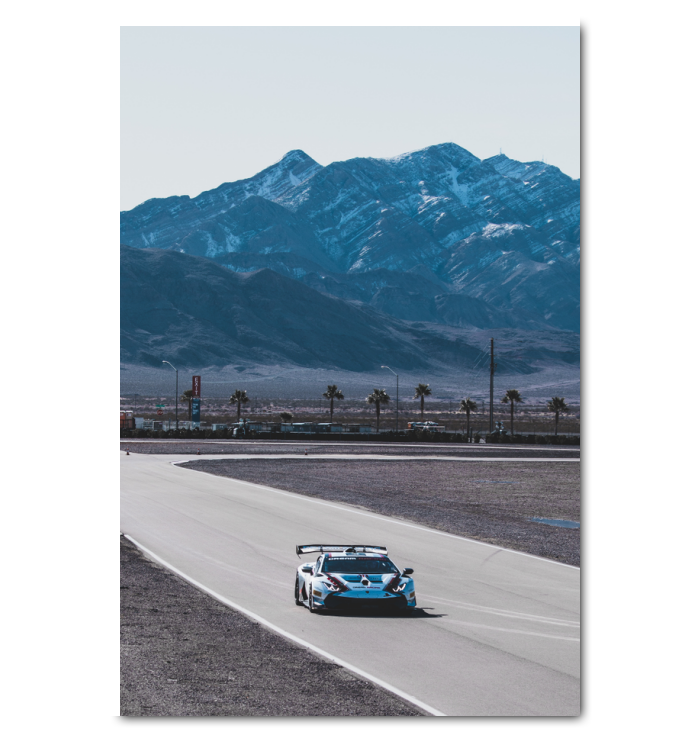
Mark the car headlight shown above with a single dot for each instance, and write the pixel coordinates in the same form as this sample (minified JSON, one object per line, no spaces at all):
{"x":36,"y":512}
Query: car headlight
{"x":395,"y":585}
{"x":333,"y":585}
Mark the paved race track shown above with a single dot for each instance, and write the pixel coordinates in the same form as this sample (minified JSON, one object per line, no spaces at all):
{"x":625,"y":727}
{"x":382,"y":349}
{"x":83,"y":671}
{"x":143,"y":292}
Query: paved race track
{"x":497,"y":632}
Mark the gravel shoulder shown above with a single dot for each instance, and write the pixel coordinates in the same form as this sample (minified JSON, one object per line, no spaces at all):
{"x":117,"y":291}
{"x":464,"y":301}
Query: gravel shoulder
{"x":185,"y":654}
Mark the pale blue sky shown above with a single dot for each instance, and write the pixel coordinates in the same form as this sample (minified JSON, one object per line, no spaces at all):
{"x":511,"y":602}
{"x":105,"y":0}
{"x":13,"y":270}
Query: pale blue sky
{"x":202,"y":106}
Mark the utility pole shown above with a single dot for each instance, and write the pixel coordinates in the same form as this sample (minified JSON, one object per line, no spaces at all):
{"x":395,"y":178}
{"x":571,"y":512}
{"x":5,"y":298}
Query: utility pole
{"x":492,"y":371}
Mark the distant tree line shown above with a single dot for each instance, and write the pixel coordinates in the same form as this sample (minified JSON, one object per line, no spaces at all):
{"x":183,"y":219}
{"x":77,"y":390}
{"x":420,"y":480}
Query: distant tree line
{"x":380,"y":397}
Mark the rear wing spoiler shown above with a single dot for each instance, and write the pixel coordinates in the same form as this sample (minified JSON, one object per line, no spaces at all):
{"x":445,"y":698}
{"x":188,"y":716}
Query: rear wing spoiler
{"x":341,"y":548}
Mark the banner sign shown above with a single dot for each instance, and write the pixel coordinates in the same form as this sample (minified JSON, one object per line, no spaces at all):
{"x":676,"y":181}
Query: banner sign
{"x":195,"y":412}
{"x":197,"y":386}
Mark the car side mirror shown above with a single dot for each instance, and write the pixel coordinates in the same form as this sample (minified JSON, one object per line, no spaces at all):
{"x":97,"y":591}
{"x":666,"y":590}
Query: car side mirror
{"x":407,"y":572}
{"x":307,"y":569}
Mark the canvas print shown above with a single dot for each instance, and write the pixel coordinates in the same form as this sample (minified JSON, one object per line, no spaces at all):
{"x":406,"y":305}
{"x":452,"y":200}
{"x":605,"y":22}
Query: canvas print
{"x":350,"y":371}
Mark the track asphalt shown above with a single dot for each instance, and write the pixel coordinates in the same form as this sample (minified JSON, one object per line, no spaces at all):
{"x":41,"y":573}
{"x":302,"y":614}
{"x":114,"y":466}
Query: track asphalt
{"x":496,"y":632}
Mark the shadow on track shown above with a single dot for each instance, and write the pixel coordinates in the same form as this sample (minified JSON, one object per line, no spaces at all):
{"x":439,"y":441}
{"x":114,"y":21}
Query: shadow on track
{"x":419,"y":612}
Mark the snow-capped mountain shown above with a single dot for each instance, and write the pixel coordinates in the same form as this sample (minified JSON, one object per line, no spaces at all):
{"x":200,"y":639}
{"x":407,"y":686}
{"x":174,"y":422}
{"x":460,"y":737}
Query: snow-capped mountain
{"x":436,"y":235}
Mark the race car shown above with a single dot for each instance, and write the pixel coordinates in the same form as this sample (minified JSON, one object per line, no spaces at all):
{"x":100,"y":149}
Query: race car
{"x":353,"y":576}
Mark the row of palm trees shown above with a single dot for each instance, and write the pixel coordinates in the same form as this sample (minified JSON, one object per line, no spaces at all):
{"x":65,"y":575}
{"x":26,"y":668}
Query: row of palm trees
{"x":468,"y":405}
{"x":332,"y":392}
{"x":556,"y":405}
{"x":380,"y":396}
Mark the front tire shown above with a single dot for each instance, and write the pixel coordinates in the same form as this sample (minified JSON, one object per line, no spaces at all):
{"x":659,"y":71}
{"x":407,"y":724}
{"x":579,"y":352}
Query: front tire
{"x":296,"y":592}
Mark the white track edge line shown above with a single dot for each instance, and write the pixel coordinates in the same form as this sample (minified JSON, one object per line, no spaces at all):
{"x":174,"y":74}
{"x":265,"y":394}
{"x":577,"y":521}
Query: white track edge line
{"x":348,"y":508}
{"x":288,"y":636}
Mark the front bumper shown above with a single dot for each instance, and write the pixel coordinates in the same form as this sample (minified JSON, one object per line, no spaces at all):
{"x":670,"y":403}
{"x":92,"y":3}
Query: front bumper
{"x":352,"y":601}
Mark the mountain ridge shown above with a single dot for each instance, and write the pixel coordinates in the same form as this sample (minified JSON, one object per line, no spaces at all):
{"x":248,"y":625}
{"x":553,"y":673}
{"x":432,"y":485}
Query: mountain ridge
{"x":436,"y":236}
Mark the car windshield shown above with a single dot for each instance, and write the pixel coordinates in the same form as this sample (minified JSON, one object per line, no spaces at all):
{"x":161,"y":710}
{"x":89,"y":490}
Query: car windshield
{"x":359,"y":566}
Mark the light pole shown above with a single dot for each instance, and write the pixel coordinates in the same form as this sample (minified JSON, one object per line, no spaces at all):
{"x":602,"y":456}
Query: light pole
{"x":177,"y":426}
{"x":397,"y":396}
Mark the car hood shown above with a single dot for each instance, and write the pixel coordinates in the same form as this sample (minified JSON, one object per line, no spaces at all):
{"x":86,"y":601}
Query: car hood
{"x":356,"y":578}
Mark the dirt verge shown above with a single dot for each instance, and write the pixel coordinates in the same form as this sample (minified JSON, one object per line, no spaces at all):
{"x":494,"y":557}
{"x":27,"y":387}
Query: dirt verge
{"x":185,"y":654}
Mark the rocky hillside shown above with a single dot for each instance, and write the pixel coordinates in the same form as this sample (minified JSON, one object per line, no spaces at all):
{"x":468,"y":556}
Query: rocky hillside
{"x":198,"y":314}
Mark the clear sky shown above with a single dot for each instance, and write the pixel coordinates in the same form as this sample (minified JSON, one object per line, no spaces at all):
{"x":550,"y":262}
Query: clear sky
{"x":205,"y":105}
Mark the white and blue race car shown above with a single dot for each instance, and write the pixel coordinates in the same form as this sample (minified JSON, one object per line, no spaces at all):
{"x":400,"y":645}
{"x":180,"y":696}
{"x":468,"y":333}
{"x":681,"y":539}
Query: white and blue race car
{"x":353,"y":576}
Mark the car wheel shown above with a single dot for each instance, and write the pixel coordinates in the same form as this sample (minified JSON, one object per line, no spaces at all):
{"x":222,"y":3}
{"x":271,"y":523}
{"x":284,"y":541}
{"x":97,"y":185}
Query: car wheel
{"x":311,"y":601}
{"x":296,"y":592}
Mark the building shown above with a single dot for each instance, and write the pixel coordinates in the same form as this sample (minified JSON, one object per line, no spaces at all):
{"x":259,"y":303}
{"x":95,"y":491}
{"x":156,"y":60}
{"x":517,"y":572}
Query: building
{"x":126,"y":420}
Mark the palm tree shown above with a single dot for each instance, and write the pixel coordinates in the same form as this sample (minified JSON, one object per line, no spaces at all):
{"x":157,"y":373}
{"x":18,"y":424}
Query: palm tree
{"x":239,"y":397}
{"x":422,"y":390}
{"x":333,"y":393}
{"x":557,"y":405}
{"x":187,"y":396}
{"x":377,"y":397}
{"x":467,"y":405}
{"x":512,"y":395}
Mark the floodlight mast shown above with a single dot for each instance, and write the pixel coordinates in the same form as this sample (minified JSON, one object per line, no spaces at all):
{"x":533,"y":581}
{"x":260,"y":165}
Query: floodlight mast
{"x":397,"y":396}
{"x":177,"y":426}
